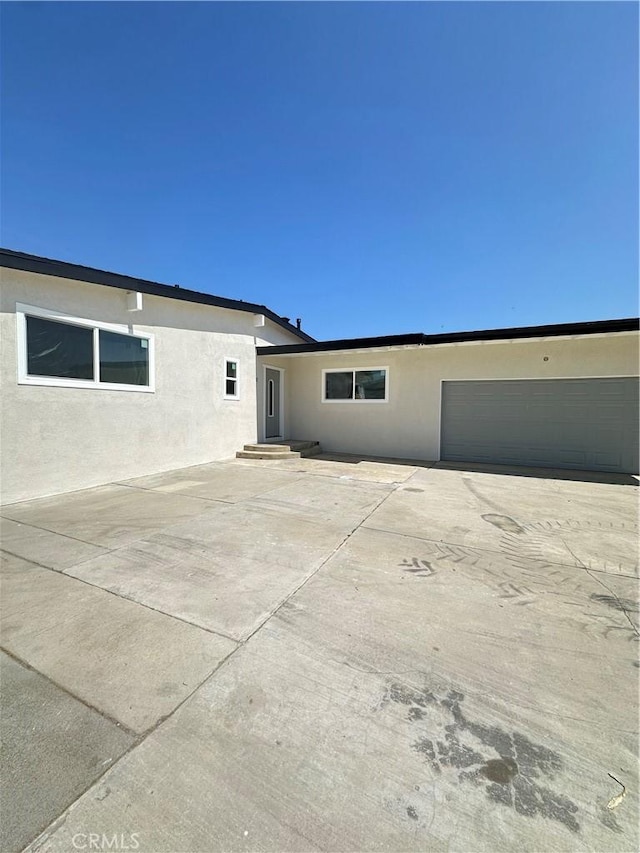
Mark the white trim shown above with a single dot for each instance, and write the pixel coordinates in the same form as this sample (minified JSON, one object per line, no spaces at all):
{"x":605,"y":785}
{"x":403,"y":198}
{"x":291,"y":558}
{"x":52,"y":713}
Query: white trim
{"x":354,"y":370}
{"x":235,"y":379}
{"x":514,"y":379}
{"x":282,"y":434}
{"x":47,"y":313}
{"x":22,"y":311}
{"x":96,"y":354}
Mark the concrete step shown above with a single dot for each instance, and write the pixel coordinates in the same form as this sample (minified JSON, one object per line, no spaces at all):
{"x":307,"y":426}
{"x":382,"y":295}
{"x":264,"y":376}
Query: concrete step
{"x":258,"y":454}
{"x":283,"y":450}
{"x":267,"y":448}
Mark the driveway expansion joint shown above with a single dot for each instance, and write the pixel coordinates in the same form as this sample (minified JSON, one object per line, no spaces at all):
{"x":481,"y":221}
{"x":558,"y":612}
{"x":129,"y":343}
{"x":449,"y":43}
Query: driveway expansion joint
{"x":335,"y":550}
{"x":136,"y":735}
{"x":156,"y":491}
{"x":49,"y":530}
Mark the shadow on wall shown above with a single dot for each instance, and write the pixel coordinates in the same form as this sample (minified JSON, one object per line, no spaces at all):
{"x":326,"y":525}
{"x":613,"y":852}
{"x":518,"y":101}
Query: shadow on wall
{"x":543,"y":473}
{"x":486,"y":468}
{"x":355,"y":458}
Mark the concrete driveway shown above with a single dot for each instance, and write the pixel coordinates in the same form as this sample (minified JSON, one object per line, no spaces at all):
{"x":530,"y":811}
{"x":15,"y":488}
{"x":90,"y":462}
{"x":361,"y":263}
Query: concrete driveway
{"x":323,"y":654}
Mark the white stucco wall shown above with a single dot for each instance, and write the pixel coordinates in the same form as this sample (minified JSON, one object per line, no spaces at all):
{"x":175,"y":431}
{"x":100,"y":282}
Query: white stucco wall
{"x":409,"y":424}
{"x":62,"y":439}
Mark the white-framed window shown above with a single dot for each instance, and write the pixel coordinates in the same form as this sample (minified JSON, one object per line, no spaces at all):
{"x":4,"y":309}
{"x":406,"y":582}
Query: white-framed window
{"x":355,"y":385}
{"x":71,"y":352}
{"x":231,"y":386}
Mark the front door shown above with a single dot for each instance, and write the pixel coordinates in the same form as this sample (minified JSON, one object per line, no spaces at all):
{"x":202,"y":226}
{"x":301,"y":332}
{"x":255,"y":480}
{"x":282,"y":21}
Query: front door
{"x":272,"y":403}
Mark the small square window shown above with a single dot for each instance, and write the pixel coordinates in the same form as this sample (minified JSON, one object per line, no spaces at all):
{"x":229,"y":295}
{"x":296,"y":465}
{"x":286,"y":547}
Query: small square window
{"x":231,"y":379}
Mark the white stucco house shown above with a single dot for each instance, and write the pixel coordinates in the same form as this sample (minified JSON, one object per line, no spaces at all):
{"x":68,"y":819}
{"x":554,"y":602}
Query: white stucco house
{"x":106,"y":377}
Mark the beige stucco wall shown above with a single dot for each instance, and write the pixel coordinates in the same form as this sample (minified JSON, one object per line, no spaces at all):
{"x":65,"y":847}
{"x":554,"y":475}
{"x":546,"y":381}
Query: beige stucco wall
{"x":409,"y":424}
{"x":61,"y":439}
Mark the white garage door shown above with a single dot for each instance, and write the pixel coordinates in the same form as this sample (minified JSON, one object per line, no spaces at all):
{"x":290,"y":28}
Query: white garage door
{"x":589,"y":424}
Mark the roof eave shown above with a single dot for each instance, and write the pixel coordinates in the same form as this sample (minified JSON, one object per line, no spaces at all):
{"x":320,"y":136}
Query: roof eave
{"x":11,"y":259}
{"x":558,"y":330}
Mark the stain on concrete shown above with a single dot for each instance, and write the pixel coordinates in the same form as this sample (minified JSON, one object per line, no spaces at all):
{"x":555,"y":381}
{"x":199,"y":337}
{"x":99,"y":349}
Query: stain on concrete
{"x":408,"y":696}
{"x":608,"y":819}
{"x":623,"y":604}
{"x":405,"y":808}
{"x":427,"y":748}
{"x":515,"y":778}
{"x":289,"y":611}
{"x":412,"y":489}
{"x":503,"y":522}
{"x":500,"y":770}
{"x":168,"y":689}
{"x":420,"y":568}
{"x":519,"y":594}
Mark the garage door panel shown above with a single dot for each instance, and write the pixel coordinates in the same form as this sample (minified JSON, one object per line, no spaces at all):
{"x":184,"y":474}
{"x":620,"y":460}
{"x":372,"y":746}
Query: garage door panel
{"x":569,"y":423}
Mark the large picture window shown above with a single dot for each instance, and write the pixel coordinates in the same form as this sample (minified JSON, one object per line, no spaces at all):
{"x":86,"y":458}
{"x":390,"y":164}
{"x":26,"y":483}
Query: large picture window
{"x":362,"y":385}
{"x":55,"y":349}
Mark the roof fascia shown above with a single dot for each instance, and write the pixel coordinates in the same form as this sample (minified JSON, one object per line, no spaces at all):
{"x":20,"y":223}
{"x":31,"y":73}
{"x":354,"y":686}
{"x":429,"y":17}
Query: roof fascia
{"x":10,"y":259}
{"x":567,"y":331}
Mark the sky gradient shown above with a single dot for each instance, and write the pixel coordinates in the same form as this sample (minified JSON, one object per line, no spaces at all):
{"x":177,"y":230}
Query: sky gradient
{"x":374,"y":168}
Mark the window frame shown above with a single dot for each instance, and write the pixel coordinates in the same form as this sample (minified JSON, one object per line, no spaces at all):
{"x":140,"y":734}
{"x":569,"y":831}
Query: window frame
{"x":235,"y":379}
{"x":25,"y":378}
{"x":354,"y":370}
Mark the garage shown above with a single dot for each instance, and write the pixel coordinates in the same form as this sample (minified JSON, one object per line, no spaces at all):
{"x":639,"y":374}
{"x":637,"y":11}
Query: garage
{"x":589,"y":424}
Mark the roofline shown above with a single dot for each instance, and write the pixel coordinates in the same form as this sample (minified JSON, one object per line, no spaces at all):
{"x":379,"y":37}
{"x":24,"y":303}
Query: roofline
{"x":597,"y":327}
{"x":11,"y":259}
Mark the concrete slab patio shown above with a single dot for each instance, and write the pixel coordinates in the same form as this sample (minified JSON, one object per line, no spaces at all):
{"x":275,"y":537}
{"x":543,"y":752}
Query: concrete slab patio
{"x":330,"y":653}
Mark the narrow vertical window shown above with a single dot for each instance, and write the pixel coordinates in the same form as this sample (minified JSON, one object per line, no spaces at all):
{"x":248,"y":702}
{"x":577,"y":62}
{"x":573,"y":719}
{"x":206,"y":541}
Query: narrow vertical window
{"x":231,"y":379}
{"x":270,"y":396}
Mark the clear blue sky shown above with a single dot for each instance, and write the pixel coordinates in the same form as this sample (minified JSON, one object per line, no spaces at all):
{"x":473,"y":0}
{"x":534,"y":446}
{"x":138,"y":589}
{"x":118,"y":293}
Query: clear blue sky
{"x":375,"y":168}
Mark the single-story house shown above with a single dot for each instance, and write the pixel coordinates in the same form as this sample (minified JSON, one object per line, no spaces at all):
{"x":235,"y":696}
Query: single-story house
{"x":563,"y":396}
{"x":106,"y":377}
